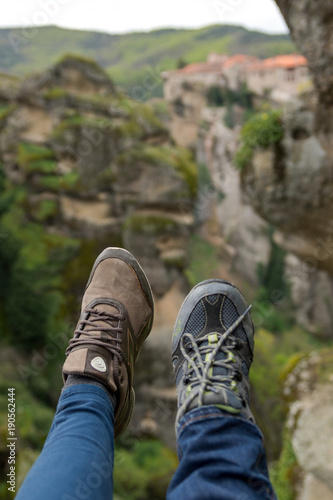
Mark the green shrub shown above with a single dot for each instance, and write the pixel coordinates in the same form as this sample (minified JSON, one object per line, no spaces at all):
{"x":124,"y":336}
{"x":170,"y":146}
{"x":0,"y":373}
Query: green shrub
{"x":31,"y":261}
{"x":5,"y":110}
{"x":215,"y":96}
{"x":50,"y":182}
{"x":28,"y":152}
{"x":7,"y":198}
{"x":274,"y":291}
{"x":205,"y":182}
{"x":229,"y":117}
{"x":161,"y":110}
{"x":143,"y":470}
{"x":41,"y":166}
{"x":33,"y":416}
{"x":181,"y":63}
{"x":262,"y":130}
{"x":45,"y":210}
{"x":70,"y":180}
{"x":279,"y":319}
{"x":29,"y":308}
{"x":283,"y":472}
{"x":243,"y":156}
{"x":202,"y":260}
{"x":9,"y":250}
{"x":224,"y":96}
{"x":56,"y":183}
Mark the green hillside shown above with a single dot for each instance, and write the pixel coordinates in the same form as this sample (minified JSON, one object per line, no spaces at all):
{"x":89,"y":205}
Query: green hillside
{"x":127,"y":57}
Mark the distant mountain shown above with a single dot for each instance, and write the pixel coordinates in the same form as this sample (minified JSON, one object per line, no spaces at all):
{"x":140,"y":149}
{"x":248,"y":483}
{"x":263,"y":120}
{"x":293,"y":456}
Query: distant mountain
{"x":133,"y":60}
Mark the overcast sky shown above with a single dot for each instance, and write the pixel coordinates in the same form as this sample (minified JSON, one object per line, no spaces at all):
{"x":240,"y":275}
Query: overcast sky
{"x":121,"y":16}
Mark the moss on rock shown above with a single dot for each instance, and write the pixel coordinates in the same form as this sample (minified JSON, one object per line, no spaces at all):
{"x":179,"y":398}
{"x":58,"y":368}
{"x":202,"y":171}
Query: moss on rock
{"x":41,"y":166}
{"x":77,"y":130}
{"x":28,"y":152}
{"x":6,"y":109}
{"x":45,"y":210}
{"x":173,"y":157}
{"x":55,"y":93}
{"x":151,"y":224}
{"x":58,"y":183}
{"x":73,"y":60}
{"x":284,"y":472}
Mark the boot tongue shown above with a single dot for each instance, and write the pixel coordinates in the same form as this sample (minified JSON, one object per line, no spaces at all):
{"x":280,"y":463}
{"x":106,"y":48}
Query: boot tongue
{"x":89,"y":330}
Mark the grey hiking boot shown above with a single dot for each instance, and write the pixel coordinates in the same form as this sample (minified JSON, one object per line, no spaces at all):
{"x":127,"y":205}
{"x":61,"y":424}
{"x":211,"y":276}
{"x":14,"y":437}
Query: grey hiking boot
{"x":116,"y":318}
{"x":212,"y":349}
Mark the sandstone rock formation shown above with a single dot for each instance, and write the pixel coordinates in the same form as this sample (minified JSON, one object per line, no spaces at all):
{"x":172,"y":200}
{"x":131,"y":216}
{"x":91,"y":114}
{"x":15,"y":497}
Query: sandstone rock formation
{"x":309,"y":390}
{"x":97,"y":166}
{"x":84,"y":161}
{"x":290,"y":185}
{"x":245,"y":231}
{"x":244,"y":217}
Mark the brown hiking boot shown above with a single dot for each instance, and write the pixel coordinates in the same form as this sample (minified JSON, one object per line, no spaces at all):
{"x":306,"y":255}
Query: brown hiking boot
{"x":117,"y":316}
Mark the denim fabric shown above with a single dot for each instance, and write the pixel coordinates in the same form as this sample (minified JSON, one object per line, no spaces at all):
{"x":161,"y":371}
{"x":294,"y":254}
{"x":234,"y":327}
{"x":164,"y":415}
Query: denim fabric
{"x":77,"y":459}
{"x":221,"y":458}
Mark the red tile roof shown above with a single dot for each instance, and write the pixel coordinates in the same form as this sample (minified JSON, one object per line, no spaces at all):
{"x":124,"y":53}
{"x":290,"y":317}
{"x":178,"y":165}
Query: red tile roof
{"x":239,"y":59}
{"x":285,"y":61}
{"x":252,"y":63}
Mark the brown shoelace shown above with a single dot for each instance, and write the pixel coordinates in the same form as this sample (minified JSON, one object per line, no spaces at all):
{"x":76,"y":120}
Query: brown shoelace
{"x":103,"y":336}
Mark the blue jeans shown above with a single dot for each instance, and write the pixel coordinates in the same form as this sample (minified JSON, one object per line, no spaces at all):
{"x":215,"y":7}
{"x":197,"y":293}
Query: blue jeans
{"x":221,"y":456}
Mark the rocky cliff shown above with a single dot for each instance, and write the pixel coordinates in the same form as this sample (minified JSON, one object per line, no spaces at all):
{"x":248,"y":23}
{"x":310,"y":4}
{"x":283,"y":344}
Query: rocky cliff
{"x":280,"y":196}
{"x":308,"y":394}
{"x":292,"y":185}
{"x":84,"y":167}
{"x":96,"y":165}
{"x":283,"y":186}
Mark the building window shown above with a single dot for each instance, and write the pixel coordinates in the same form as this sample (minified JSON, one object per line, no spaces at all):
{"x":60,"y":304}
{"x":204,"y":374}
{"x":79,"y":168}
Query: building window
{"x":290,"y":74}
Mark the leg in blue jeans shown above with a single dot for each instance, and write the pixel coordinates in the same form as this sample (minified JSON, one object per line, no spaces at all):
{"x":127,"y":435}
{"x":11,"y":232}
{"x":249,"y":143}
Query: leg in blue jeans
{"x":77,"y":459}
{"x":116,"y":316}
{"x":220,"y":448}
{"x":221,"y":457}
